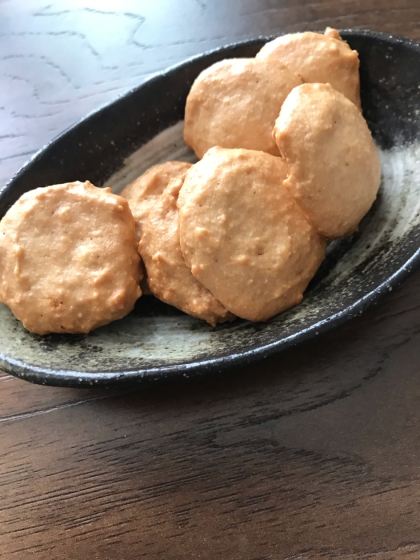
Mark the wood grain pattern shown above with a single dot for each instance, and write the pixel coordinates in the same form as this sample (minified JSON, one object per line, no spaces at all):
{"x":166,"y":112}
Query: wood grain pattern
{"x":312,"y":454}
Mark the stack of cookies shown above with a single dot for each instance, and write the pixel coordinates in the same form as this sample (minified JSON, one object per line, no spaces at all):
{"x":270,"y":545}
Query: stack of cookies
{"x":286,"y":161}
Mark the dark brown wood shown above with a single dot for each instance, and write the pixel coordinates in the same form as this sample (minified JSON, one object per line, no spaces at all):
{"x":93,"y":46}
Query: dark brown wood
{"x":312,"y":454}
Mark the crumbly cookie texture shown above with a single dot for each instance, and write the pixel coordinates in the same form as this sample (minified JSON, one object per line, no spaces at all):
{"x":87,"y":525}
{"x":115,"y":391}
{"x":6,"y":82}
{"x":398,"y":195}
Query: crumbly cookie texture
{"x":242,"y":234}
{"x":318,"y":59}
{"x":332,"y":162}
{"x":143,"y":192}
{"x":234,"y":103}
{"x":69,"y":259}
{"x":169,"y":278}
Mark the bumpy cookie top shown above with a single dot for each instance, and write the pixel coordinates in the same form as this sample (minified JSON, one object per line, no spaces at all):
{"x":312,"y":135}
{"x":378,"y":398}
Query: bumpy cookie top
{"x":318,"y":59}
{"x":69,"y":259}
{"x":143,"y":192}
{"x":234,"y":103}
{"x":332,"y":162}
{"x":169,"y":277}
{"x":243,"y":235}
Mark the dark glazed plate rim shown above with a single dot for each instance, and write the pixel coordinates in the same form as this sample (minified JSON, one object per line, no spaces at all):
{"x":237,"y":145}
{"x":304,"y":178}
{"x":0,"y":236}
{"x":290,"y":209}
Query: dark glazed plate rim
{"x":71,"y":378}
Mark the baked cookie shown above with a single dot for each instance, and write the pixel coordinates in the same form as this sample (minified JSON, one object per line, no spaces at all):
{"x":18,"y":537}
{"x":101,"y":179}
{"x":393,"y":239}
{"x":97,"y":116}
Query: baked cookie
{"x":242,"y":234}
{"x":69,"y":259}
{"x":169,"y":278}
{"x":143,"y":192}
{"x":333,"y":165}
{"x":234,"y":103}
{"x":318,"y":59}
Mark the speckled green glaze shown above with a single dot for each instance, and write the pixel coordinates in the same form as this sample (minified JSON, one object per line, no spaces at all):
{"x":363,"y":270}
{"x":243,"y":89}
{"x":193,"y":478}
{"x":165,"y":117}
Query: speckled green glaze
{"x":156,"y":341}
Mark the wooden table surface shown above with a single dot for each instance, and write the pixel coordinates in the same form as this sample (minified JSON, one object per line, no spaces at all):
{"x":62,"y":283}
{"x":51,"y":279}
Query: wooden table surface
{"x":312,"y":454}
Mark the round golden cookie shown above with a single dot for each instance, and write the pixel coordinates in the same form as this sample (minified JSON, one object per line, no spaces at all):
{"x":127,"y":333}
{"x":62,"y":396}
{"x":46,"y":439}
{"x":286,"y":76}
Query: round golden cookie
{"x":333,"y":165}
{"x":234,"y":103}
{"x":318,"y":59}
{"x":143,"y":192}
{"x":242,"y":234}
{"x":169,"y":278}
{"x":68,"y":259}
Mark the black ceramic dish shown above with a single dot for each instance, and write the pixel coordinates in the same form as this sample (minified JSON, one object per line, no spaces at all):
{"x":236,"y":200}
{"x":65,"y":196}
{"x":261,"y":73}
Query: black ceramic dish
{"x":158,"y":342}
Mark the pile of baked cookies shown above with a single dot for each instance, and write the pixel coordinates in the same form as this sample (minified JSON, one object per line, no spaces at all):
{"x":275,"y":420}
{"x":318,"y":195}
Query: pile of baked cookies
{"x":286,"y":161}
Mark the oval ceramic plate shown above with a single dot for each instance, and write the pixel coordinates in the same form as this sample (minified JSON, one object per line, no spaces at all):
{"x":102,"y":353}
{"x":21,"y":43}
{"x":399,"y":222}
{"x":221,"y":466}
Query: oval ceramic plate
{"x":115,"y":144}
